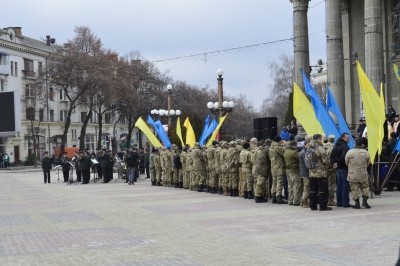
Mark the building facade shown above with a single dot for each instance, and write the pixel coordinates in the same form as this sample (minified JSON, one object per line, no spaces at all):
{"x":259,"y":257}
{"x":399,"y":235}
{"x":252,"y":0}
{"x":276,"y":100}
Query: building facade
{"x":22,"y":60}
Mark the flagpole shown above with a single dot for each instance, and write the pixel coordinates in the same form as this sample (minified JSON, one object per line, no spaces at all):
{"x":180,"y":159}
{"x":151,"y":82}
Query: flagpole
{"x":393,"y":164}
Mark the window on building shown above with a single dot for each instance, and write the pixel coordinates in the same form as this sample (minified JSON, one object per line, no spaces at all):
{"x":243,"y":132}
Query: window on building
{"x":51,"y":115}
{"x":3,"y":59}
{"x":89,"y":141}
{"x":12,"y":68}
{"x":63,"y":97}
{"x":28,"y":68}
{"x":29,"y":91}
{"x":107,"y":118}
{"x":83,"y":116}
{"x":73,"y":132}
{"x":63,"y":115}
{"x":51,"y":94}
{"x":41,"y":114}
{"x":2,"y":85}
{"x":30,"y":113}
{"x":40,"y":68}
{"x":16,"y":68}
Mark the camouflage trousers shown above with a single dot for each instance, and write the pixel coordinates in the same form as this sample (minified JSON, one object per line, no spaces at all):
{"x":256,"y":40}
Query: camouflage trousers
{"x":294,"y":184}
{"x":212,"y":178}
{"x":153,"y":175}
{"x":158,"y":175}
{"x":277,"y":185}
{"x":174,"y":176}
{"x":248,"y":178}
{"x":242,"y":183}
{"x":167,"y":177}
{"x":306,"y":188}
{"x":260,"y":186}
{"x":233,"y":180}
{"x":186,"y":179}
{"x":224,"y":180}
{"x":331,"y":185}
{"x":356,"y":187}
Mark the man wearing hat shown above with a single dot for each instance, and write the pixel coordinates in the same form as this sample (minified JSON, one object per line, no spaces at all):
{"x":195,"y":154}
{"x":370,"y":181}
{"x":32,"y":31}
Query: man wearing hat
{"x":46,"y":167}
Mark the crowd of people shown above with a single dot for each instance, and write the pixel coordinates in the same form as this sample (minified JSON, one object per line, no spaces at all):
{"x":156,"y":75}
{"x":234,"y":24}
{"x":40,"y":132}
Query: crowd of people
{"x":310,"y":172}
{"x":316,"y":171}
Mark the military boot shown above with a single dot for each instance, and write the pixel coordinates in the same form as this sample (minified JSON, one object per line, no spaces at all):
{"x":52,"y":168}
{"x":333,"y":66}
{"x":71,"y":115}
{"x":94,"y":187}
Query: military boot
{"x":246,"y":195}
{"x":274,"y":200}
{"x":180,"y":184}
{"x":220,"y":191}
{"x":250,"y":194}
{"x":357,"y":205}
{"x":153,"y":183}
{"x":365,"y":203}
{"x":208,"y":189}
{"x":200,"y":188}
{"x":259,"y":199}
{"x":280,"y":200}
{"x":231,"y":194}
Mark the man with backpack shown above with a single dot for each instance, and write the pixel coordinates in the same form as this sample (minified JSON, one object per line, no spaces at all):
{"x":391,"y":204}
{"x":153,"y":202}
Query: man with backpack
{"x":337,"y":159}
{"x":132,"y":160}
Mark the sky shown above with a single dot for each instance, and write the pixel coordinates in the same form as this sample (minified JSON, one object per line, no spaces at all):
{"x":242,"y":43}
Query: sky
{"x":168,"y":29}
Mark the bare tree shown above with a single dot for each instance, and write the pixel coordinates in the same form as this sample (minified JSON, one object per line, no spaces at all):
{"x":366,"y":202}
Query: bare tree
{"x":71,"y":70}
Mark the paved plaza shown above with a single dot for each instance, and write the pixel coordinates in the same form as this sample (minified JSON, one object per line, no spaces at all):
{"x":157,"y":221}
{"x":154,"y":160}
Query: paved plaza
{"x":117,"y":224}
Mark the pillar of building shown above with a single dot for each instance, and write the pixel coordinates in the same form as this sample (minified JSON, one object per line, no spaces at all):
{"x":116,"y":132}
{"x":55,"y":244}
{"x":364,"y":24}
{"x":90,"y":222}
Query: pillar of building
{"x":373,"y":42}
{"x":301,"y":46}
{"x":334,"y":49}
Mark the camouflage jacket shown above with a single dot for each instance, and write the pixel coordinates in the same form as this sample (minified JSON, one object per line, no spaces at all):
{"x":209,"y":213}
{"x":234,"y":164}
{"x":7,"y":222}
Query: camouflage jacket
{"x":292,"y":157}
{"x":323,"y":160}
{"x":275,"y":153}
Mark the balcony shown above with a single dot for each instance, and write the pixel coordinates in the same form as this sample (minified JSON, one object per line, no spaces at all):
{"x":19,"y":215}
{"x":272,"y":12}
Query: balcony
{"x":5,"y":70}
{"x":29,"y":74}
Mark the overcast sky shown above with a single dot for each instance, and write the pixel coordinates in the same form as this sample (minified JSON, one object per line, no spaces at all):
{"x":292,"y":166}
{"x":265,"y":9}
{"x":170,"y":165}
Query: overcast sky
{"x":164,"y":29}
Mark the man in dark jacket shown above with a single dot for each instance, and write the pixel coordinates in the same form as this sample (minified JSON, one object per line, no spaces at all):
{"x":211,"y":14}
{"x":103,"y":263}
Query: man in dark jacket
{"x":46,"y":166}
{"x":84,"y":163}
{"x":337,"y":159}
{"x":132,"y":161}
{"x":65,"y":166}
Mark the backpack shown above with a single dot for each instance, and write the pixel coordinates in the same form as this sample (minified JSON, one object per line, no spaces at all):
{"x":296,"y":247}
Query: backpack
{"x":310,"y":158}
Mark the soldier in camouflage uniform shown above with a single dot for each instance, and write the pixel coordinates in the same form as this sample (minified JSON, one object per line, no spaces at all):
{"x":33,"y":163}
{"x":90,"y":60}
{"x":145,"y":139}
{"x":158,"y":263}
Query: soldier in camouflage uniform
{"x":211,"y":161}
{"x":197,"y":170}
{"x":291,"y":156}
{"x":218,"y":167}
{"x":261,"y":169}
{"x":157,"y":167}
{"x":245,"y":160}
{"x":184,"y":171}
{"x":331,"y":172}
{"x":232,"y":158}
{"x":223,"y":181}
{"x":304,"y":173}
{"x":318,"y":176}
{"x":192,"y":185}
{"x":278,"y":169}
{"x":152,"y":167}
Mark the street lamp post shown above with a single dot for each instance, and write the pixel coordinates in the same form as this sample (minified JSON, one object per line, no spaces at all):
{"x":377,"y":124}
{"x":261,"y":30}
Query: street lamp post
{"x":169,"y":91}
{"x":221,"y":107}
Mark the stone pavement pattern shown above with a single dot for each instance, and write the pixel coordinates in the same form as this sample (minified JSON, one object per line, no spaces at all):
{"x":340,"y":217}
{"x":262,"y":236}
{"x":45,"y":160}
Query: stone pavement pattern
{"x":117,"y":224}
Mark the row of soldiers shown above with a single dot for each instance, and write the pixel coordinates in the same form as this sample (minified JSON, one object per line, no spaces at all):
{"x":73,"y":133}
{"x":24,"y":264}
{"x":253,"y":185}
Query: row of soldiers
{"x":254,"y":170}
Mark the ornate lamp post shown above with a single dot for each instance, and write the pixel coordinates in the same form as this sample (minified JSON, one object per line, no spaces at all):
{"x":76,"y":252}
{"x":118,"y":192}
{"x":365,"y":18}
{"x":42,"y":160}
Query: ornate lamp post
{"x":221,"y":107}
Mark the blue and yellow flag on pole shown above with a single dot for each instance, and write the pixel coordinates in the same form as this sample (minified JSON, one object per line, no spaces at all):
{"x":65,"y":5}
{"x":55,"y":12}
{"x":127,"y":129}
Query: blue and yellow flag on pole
{"x":396,"y":71}
{"x":179,"y":131}
{"x":190,"y":137}
{"x":304,"y":112}
{"x":374,"y":114}
{"x":212,"y":138}
{"x":147,"y":132}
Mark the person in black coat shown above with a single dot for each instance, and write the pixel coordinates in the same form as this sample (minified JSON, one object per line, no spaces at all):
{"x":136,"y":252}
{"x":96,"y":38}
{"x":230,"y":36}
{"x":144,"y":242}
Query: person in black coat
{"x":84,"y":164}
{"x":46,"y":166}
{"x":65,"y":166}
{"x":337,"y":159}
{"x":78,"y":172}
